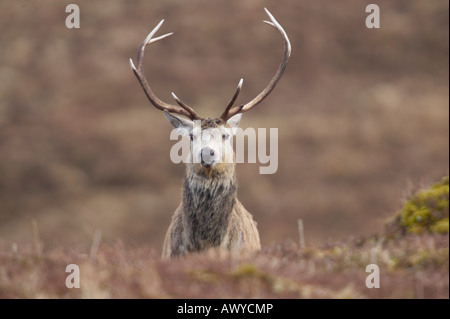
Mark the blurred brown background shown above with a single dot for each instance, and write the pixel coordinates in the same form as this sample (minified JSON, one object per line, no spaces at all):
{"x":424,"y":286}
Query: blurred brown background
{"x":362,"y":113}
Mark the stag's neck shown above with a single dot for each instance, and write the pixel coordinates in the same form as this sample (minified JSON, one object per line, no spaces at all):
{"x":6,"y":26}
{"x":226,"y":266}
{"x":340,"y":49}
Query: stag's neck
{"x":208,"y":201}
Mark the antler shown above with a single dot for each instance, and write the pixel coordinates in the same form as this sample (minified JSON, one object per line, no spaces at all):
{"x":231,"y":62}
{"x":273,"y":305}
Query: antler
{"x":229,"y":111}
{"x":182,"y":109}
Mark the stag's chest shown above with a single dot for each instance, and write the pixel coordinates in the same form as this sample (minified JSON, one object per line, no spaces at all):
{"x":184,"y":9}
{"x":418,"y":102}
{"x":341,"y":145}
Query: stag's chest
{"x":207,"y":209}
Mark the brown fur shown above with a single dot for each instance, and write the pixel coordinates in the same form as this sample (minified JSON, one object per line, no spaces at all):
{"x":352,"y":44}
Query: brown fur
{"x":210,"y":215}
{"x":212,"y":123}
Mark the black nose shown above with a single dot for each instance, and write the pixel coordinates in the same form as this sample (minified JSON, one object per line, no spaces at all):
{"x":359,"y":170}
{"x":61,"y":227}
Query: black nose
{"x":207,"y":156}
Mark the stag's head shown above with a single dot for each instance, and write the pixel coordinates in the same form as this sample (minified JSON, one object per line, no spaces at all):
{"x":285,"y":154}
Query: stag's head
{"x":211,"y":150}
{"x":211,"y":139}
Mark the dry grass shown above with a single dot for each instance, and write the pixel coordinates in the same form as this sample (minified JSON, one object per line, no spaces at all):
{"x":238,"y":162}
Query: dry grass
{"x":411,"y":267}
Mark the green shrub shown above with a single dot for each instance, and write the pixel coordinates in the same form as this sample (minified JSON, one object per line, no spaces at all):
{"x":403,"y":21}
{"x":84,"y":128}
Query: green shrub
{"x":427,"y":210}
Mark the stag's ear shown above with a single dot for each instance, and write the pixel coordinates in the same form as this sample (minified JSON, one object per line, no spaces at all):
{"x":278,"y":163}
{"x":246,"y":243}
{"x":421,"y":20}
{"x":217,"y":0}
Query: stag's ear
{"x":180,"y":123}
{"x":234,"y":121}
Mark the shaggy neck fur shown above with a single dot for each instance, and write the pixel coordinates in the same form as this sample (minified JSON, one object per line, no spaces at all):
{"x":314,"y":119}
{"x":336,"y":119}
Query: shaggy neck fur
{"x":208,"y":199}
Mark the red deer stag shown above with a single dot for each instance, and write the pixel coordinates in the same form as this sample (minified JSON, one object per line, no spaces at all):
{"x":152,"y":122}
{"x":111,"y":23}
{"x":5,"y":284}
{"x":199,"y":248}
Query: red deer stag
{"x":210,"y":215}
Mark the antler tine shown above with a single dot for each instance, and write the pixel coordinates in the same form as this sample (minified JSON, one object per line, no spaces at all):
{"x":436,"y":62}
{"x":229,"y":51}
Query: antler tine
{"x":186,"y":107}
{"x":273,"y":82}
{"x":182,"y":109}
{"x":233,"y":99}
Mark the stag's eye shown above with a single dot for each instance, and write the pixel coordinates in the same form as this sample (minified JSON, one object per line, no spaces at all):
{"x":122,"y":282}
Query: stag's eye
{"x":191,"y":136}
{"x":225,"y":136}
